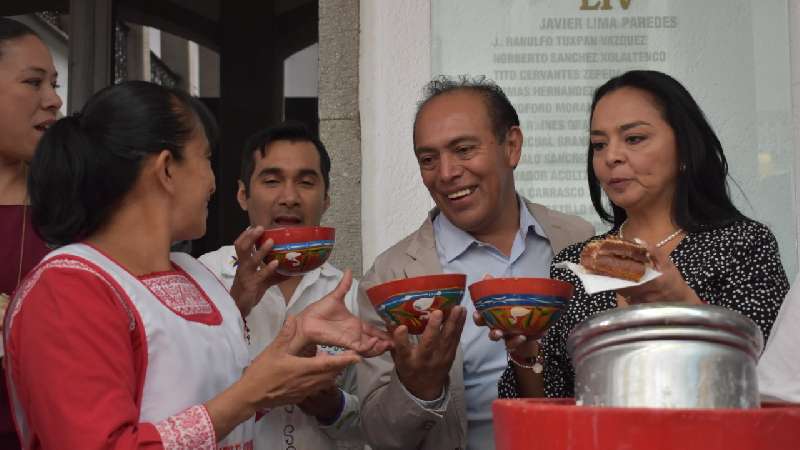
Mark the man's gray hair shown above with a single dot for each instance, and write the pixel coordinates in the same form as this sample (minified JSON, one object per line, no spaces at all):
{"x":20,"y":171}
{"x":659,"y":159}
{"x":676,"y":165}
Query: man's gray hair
{"x":501,"y":112}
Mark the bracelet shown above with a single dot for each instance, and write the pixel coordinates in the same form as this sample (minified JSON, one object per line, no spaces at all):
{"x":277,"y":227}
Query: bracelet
{"x":536,"y":364}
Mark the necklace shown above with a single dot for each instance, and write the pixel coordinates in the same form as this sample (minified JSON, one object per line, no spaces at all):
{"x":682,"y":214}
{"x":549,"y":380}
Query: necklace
{"x":24,"y":225}
{"x":22,"y":239}
{"x":660,"y":243}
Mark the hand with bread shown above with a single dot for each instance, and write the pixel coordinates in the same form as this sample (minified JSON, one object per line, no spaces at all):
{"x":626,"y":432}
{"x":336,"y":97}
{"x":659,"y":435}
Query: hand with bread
{"x":670,"y":287}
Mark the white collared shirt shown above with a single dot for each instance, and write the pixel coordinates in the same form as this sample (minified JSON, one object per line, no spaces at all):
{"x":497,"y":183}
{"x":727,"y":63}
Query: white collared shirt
{"x":779,"y":366}
{"x":288,"y":427}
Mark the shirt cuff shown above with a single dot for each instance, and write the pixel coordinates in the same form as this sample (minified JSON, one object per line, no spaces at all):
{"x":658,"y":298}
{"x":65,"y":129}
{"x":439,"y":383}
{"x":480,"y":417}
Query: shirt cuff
{"x":191,"y":428}
{"x":348,"y":410}
{"x":437,"y":405}
{"x":338,"y":415}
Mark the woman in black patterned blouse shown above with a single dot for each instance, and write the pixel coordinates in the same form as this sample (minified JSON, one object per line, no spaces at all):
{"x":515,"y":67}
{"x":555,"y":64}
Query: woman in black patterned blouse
{"x":655,"y":156}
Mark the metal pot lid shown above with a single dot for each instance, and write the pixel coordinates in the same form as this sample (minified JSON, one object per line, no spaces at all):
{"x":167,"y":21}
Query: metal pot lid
{"x":643,"y":322}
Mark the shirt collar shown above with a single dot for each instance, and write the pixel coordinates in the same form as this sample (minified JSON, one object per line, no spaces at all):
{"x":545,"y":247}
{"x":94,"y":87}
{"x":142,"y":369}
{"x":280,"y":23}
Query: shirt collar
{"x":328,"y":271}
{"x":453,"y":241}
{"x":526,"y":220}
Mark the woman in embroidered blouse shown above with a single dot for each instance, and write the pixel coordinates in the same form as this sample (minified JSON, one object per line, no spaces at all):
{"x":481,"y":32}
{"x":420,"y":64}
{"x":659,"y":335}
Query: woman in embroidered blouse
{"x":114,"y":343}
{"x":655,"y":156}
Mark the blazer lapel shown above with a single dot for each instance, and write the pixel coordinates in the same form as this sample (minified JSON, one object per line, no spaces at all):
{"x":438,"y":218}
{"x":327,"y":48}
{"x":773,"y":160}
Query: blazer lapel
{"x":558,"y":236}
{"x":422,"y":251}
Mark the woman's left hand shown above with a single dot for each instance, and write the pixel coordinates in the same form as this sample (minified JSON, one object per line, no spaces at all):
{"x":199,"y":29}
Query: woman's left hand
{"x":329,"y":322}
{"x":670,"y":287}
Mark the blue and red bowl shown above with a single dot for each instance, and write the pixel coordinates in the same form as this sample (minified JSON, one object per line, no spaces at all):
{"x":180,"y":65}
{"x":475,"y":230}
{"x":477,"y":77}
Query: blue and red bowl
{"x":410,"y":301}
{"x":527,"y":306}
{"x":299,"y":250}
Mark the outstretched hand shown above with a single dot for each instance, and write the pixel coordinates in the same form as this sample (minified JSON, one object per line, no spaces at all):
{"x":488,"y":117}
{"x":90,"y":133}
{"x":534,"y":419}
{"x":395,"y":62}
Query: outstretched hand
{"x":328,"y":322}
{"x":277,"y":377}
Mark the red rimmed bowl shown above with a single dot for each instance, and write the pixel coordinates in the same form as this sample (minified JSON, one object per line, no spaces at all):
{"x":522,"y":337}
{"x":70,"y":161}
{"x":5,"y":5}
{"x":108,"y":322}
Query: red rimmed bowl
{"x":526,"y":306}
{"x":410,"y":301}
{"x":299,"y":250}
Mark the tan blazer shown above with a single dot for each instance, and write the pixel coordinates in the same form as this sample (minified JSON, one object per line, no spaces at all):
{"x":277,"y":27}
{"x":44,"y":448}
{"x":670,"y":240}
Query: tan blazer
{"x":390,"y":418}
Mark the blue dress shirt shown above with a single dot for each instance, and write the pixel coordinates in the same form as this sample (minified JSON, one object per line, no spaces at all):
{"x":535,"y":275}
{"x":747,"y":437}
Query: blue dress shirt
{"x":484,"y":360}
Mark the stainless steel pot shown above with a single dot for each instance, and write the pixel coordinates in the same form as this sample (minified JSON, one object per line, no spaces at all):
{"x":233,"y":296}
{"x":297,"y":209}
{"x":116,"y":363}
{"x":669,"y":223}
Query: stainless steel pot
{"x":666,"y":356}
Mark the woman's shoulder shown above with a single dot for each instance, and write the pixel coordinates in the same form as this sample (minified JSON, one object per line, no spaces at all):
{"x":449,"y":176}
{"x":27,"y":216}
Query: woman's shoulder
{"x":69,"y":291}
{"x":68,"y":280}
{"x":740,"y":232}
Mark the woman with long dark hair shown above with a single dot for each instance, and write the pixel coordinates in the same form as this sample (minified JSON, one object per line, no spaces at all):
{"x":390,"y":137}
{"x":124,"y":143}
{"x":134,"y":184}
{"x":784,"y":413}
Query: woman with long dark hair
{"x":113,"y":342}
{"x":28,"y":105}
{"x":657,"y":159}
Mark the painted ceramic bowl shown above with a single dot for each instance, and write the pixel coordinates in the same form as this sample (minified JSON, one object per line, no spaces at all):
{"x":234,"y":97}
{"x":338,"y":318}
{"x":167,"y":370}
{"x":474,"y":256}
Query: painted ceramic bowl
{"x":299,"y":249}
{"x":520,"y":305}
{"x":410,"y":301}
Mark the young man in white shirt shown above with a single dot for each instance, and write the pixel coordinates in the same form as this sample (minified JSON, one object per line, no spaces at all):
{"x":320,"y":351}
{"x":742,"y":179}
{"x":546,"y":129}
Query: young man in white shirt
{"x":284,"y":181}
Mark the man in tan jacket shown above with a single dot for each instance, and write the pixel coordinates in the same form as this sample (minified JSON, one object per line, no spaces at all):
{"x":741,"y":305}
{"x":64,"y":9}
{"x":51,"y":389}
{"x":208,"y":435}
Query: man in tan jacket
{"x":435,"y":391}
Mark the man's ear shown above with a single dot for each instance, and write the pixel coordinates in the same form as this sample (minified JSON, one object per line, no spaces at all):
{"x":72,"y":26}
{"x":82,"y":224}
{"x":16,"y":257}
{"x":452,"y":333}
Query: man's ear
{"x":327,"y":203}
{"x":513,"y":146}
{"x":164,"y":166}
{"x":241,"y":195}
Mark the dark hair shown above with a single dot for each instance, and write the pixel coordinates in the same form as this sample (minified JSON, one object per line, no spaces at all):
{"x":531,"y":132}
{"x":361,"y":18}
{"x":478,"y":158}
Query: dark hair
{"x":701,"y":200}
{"x":10,"y":29}
{"x":86,"y":163}
{"x":502,"y":114}
{"x":289,"y":130}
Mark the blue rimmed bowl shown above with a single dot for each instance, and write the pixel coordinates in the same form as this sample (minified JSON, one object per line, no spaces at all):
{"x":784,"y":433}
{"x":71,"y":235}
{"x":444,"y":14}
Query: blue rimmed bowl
{"x":527,"y":306}
{"x":299,"y":250}
{"x":410,"y":301}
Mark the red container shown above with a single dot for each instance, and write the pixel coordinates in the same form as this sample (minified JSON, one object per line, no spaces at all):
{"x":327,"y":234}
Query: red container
{"x":557,"y":424}
{"x":409,"y":301}
{"x":299,"y":249}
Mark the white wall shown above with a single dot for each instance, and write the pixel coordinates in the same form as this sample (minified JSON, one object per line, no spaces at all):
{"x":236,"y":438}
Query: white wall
{"x":794,"y":35}
{"x":301,"y":73}
{"x":194,"y":69}
{"x":154,"y":39}
{"x":394,"y":65}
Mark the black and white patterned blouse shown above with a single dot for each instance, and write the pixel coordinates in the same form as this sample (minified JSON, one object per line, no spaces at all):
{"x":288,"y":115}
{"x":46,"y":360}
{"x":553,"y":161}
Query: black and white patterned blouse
{"x":736,"y":266}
